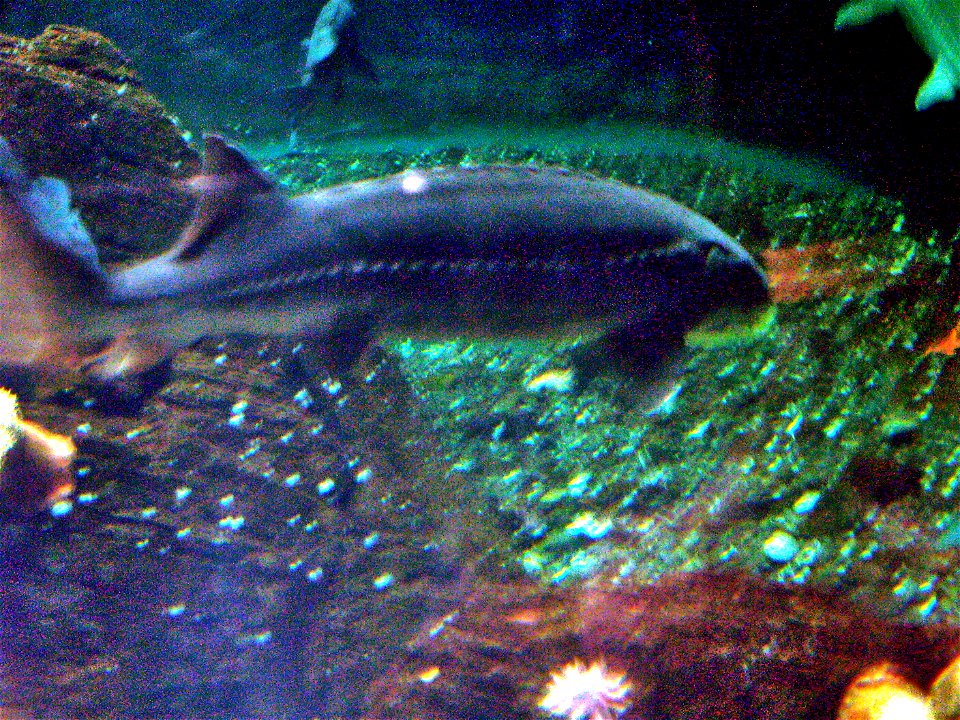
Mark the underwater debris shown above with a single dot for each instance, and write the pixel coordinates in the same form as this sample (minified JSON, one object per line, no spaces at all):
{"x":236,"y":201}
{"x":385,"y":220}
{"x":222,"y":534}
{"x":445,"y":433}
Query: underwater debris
{"x":35,"y":464}
{"x":934,"y":24}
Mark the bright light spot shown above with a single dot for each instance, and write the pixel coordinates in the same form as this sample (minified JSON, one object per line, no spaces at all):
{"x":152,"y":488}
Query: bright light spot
{"x":61,"y":508}
{"x":325,"y":486}
{"x":429,"y":675}
{"x":904,"y":707}
{"x":413,"y":182}
{"x":382,"y":582}
{"x":364,"y":475}
{"x":232,"y":522}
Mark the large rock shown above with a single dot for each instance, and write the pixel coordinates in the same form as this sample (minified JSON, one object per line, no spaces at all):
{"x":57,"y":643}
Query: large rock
{"x":245,"y":547}
{"x":75,"y":109}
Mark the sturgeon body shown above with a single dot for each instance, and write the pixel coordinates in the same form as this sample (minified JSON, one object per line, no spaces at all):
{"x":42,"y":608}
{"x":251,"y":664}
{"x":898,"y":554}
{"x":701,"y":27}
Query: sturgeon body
{"x":495,"y":251}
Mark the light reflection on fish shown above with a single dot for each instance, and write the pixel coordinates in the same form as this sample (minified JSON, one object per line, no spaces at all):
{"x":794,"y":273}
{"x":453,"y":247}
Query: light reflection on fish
{"x":496,"y":251}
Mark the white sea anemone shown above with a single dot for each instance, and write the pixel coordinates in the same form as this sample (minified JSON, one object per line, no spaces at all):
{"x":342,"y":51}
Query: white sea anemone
{"x":579,"y":692}
{"x":9,"y":422}
{"x":35,"y":464}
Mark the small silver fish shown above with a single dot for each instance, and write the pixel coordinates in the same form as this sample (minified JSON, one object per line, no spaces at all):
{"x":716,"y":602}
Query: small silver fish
{"x":333,"y":48}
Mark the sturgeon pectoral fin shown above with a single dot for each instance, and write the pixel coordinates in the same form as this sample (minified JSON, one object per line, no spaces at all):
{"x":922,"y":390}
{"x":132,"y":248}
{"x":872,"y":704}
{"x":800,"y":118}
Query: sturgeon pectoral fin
{"x":649,"y":359}
{"x":339,"y":349}
{"x":634,"y":350}
{"x":128,"y":355}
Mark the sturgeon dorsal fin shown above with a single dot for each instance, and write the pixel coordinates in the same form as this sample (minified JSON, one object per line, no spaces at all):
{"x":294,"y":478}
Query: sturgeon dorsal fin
{"x":221,"y":158}
{"x":227,"y":178}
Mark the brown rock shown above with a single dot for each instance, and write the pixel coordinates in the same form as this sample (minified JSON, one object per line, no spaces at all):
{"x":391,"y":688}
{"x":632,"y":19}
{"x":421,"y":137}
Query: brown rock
{"x":700,"y":645}
{"x":75,"y":109}
{"x":145,"y":604}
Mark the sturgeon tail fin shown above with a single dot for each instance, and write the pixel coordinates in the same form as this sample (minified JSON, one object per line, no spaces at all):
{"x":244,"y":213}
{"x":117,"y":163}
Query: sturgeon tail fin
{"x":50,"y":276}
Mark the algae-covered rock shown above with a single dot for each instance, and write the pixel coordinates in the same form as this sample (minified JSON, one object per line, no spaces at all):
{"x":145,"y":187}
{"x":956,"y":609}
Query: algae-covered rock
{"x":75,"y":109}
{"x":238,"y":514}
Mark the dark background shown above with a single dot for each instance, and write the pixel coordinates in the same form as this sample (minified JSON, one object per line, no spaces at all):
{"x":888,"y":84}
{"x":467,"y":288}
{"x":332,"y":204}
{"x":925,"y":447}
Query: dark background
{"x":773,"y":74}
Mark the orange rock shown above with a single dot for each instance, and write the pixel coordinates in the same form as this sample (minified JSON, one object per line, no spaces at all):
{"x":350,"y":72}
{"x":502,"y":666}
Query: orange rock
{"x":880,"y":692}
{"x":947,"y":345}
{"x":815,"y":271}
